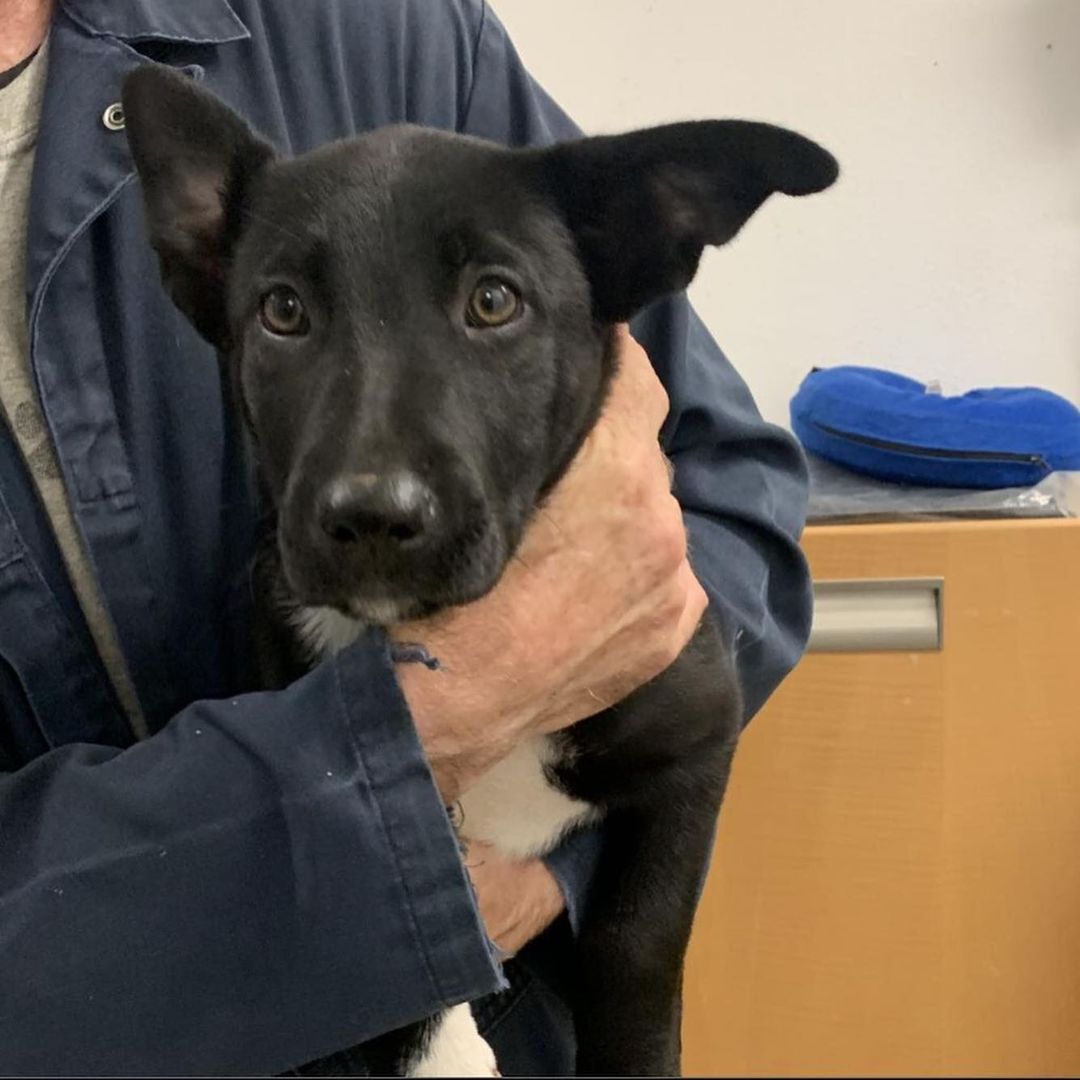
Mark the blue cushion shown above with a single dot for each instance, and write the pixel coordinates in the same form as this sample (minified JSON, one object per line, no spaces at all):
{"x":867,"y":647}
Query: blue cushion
{"x":888,"y":426}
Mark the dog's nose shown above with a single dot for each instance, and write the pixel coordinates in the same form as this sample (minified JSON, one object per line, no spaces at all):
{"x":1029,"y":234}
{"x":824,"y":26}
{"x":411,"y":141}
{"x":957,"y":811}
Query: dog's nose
{"x":396,"y":506}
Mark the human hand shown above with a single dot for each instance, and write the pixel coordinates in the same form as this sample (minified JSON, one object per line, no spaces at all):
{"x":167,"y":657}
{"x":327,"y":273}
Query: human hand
{"x":518,"y":898}
{"x":600,"y":600}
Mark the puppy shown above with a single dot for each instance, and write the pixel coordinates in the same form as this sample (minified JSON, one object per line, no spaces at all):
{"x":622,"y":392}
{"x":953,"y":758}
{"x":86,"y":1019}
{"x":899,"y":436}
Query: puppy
{"x":418,"y":331}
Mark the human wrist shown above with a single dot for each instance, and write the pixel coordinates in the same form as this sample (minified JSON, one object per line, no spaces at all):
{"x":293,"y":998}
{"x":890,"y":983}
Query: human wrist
{"x":462,"y":734}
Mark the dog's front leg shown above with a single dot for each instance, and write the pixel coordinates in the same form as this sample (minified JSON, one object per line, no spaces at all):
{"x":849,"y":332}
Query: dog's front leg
{"x":637,"y":927}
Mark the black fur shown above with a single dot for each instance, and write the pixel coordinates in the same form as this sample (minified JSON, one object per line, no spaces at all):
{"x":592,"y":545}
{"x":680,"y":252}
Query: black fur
{"x":403,"y":449}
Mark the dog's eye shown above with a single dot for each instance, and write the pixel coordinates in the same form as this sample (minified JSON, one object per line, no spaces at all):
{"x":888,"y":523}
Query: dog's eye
{"x":493,"y":303}
{"x":282,"y":312}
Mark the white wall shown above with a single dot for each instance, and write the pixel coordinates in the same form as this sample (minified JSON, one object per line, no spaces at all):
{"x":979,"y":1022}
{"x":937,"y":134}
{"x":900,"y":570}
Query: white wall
{"x":949,"y":249}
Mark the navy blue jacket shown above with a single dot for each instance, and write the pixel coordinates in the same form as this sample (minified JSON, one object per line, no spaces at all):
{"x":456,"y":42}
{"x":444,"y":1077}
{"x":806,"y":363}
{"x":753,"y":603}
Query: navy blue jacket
{"x":267,"y":877}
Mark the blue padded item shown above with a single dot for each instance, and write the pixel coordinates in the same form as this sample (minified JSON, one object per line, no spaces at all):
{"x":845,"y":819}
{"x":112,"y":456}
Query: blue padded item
{"x":887,"y":425}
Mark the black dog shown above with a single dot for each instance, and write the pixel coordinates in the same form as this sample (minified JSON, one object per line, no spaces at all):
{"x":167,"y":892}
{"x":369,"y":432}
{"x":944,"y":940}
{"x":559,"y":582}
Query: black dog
{"x":418,"y":328}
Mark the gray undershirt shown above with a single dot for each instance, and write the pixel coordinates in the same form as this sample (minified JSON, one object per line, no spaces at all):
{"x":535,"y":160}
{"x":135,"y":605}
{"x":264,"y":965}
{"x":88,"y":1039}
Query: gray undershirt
{"x":21,"y":92}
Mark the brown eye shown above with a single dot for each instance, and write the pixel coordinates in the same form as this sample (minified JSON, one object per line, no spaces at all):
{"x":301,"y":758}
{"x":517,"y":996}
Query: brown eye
{"x":493,"y":303}
{"x":282,"y":312}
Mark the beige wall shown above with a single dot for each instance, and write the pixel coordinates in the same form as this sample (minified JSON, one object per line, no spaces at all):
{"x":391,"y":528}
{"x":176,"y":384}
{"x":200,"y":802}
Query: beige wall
{"x":951,"y":247}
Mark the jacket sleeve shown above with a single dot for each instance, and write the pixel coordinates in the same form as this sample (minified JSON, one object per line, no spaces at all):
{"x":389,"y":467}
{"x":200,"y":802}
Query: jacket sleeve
{"x":741,"y":482}
{"x":279,"y":862}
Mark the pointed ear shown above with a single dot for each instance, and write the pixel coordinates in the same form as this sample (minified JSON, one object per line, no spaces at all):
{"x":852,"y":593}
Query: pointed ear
{"x":196,"y":159}
{"x":642,"y":206}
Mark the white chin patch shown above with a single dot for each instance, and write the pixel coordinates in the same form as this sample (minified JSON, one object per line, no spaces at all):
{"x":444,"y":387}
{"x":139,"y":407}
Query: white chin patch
{"x":456,"y":1049}
{"x":325,"y":630}
{"x":379,"y":612}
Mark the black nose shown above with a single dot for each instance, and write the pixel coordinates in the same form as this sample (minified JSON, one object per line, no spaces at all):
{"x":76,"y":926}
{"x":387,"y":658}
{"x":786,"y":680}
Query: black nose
{"x":394,"y":506}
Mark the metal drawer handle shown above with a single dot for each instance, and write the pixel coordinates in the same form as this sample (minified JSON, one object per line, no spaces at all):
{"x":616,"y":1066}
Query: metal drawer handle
{"x":877,"y":614}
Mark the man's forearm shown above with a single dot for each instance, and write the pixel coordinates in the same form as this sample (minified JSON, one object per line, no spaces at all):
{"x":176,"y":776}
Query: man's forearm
{"x":209,"y":900}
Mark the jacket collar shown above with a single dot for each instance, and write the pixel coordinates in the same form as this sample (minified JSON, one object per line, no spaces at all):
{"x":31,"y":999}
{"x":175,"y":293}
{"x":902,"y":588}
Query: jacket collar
{"x":195,"y":22}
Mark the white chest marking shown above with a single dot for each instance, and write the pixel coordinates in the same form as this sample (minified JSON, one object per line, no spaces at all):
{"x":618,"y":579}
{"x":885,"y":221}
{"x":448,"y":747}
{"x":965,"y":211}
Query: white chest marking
{"x":515,"y":807}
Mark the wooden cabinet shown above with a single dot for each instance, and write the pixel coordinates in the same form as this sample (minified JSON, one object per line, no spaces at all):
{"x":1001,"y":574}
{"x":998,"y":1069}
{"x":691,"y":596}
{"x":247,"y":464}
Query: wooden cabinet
{"x":895,"y":888}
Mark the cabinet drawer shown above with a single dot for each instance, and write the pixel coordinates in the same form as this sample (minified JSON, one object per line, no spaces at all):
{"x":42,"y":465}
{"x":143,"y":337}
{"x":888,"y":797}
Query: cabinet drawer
{"x":896,"y":885}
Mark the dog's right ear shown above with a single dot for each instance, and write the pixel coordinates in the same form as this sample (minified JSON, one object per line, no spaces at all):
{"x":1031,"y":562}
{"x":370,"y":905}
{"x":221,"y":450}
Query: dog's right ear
{"x":196,"y":159}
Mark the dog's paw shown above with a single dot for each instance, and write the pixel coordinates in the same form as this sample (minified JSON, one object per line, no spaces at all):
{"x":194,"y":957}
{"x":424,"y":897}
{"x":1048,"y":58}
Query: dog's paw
{"x":456,"y":1048}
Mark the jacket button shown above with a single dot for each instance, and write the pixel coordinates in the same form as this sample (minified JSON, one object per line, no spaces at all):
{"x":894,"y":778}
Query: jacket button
{"x":113,"y":117}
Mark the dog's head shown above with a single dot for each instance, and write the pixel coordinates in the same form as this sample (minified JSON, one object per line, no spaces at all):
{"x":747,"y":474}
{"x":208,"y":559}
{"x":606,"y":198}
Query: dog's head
{"x":418,"y":323}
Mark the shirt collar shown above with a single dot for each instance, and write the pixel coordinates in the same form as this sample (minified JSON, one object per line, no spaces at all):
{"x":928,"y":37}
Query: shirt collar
{"x":196,"y":22}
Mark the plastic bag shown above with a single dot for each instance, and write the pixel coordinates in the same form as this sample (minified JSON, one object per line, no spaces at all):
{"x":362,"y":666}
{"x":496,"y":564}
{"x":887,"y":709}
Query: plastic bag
{"x":838,"y":496}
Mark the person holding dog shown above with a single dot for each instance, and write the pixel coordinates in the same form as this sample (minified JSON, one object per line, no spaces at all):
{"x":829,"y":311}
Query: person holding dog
{"x":197,"y":876}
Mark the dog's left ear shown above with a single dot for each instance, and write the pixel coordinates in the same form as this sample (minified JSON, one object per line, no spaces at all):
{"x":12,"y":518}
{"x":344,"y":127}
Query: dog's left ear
{"x":196,"y":159}
{"x":642,"y":206}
